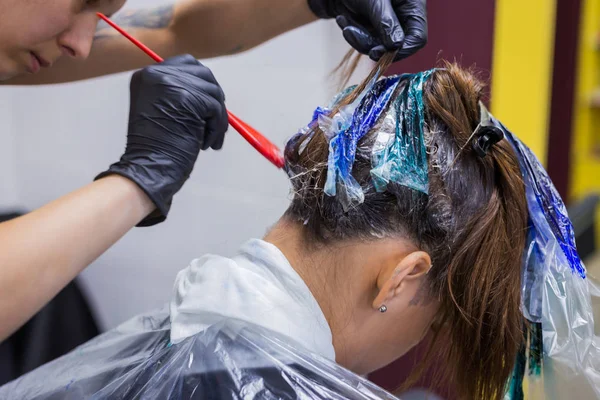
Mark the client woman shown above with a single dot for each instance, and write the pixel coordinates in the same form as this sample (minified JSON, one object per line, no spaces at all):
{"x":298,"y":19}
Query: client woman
{"x":409,"y":214}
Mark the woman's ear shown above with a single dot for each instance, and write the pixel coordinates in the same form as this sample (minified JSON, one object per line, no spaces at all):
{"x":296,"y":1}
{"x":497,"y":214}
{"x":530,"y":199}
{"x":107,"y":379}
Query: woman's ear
{"x":391,"y":281}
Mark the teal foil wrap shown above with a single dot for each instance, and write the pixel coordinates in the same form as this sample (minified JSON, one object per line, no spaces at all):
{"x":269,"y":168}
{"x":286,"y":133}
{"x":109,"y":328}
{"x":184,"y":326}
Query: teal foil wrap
{"x":399,"y":154}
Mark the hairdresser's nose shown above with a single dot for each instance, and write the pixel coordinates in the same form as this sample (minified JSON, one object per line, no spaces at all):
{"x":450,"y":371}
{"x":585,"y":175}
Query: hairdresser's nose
{"x":77,"y":41}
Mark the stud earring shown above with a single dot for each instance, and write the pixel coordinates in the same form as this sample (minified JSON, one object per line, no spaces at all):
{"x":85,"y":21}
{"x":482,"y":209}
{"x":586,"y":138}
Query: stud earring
{"x":382,"y":309}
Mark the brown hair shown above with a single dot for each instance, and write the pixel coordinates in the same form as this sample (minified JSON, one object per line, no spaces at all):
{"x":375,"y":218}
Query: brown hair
{"x":473,"y":224}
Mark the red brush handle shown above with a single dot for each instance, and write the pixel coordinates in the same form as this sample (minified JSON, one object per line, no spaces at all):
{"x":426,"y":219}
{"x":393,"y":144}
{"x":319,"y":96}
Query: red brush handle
{"x":252,"y":136}
{"x":258,"y":141}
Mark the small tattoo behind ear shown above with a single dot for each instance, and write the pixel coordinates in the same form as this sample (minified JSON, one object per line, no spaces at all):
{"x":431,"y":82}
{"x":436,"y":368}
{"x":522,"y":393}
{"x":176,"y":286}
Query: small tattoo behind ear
{"x":420,"y":296}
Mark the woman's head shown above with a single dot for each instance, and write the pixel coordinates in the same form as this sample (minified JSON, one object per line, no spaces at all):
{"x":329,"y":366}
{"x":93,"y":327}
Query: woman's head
{"x":449,"y":253}
{"x":36,"y":33}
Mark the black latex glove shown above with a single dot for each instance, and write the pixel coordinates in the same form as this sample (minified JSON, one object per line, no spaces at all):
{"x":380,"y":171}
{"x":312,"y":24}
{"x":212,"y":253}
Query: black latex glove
{"x":177,"y":109}
{"x":374,"y":27}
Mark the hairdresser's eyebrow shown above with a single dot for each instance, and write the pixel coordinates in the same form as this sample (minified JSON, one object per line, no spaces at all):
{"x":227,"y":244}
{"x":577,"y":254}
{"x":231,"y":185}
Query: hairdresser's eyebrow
{"x":151,"y":18}
{"x":110,"y":3}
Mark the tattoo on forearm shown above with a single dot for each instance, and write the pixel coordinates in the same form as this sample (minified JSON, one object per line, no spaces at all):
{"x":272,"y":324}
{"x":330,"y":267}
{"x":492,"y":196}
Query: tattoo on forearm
{"x":153,"y":18}
{"x":237,"y":49}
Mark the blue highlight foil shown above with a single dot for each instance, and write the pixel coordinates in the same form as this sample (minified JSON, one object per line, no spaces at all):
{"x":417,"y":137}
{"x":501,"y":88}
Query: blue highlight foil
{"x":549,"y":226}
{"x":345,"y":130}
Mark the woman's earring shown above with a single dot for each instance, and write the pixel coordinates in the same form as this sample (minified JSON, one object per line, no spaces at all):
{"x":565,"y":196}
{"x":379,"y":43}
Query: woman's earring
{"x":382,"y":309}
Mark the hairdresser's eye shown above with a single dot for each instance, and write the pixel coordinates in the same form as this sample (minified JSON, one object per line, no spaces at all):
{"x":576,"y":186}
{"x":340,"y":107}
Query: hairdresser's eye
{"x":90,"y":3}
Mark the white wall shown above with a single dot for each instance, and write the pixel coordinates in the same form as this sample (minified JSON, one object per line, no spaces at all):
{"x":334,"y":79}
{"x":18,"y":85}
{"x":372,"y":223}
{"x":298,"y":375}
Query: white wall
{"x":8,"y":183}
{"x":64,"y":135}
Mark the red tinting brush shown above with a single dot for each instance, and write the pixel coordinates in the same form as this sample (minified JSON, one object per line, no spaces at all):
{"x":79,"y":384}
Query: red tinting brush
{"x":258,"y":141}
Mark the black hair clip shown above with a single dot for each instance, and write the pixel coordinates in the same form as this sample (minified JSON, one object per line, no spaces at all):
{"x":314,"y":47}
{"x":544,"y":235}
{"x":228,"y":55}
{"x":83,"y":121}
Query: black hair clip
{"x":485,"y":138}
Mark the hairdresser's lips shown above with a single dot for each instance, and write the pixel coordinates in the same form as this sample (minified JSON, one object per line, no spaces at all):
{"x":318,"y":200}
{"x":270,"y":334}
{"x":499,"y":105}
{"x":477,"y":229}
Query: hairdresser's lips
{"x":37,"y":62}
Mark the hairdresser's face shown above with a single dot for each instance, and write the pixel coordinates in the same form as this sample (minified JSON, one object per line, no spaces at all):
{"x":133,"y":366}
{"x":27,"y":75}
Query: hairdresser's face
{"x":36,"y":33}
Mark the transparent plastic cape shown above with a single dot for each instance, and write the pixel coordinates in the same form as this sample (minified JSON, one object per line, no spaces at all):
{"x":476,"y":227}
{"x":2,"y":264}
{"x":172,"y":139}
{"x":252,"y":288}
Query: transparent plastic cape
{"x":562,"y":357}
{"x":230,"y":360}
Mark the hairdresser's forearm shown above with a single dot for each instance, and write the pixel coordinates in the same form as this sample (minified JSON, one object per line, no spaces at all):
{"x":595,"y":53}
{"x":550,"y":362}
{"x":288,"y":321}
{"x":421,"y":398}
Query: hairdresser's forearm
{"x":209,"y":28}
{"x":41,"y":252}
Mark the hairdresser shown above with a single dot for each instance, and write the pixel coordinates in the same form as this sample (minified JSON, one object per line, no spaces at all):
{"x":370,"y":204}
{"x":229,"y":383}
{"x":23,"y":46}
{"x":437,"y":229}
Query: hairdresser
{"x":177,"y":109}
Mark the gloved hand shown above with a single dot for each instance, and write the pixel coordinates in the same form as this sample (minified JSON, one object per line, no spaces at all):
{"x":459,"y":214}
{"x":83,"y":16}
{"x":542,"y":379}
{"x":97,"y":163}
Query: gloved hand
{"x":177,"y":109}
{"x":374,"y":27}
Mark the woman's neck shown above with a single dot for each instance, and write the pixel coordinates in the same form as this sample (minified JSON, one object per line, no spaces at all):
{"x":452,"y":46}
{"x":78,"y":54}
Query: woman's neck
{"x":336,"y":278}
